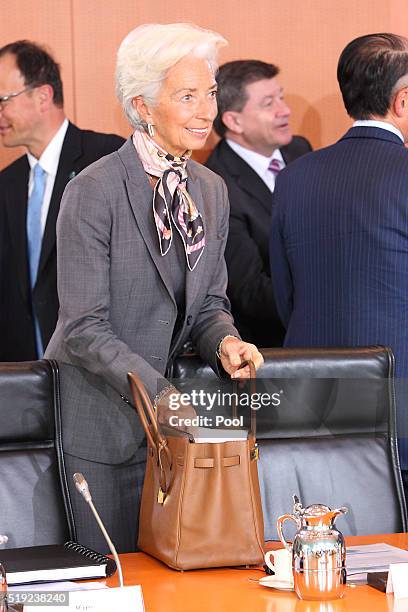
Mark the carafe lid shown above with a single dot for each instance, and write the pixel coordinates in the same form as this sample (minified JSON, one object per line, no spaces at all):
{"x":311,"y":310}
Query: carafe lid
{"x":315,"y":510}
{"x":316,"y":514}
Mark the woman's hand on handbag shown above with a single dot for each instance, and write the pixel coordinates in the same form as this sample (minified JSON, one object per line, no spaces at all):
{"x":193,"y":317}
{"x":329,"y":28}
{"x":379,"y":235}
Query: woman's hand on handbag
{"x":233,"y":352}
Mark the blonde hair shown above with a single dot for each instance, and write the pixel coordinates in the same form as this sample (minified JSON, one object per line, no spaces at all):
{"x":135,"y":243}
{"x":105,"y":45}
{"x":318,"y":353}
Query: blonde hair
{"x":149,"y":51}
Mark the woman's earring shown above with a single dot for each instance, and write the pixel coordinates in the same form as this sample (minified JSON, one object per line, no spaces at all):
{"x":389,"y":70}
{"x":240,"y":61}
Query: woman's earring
{"x":150,"y":129}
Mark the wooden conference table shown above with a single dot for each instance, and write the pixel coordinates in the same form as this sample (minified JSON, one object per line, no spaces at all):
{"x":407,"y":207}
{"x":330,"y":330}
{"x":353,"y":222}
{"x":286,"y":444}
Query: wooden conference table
{"x":228,"y":590}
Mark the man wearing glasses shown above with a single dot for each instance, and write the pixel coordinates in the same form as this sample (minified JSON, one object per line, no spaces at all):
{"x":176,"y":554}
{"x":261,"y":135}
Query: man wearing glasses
{"x":32,"y":115}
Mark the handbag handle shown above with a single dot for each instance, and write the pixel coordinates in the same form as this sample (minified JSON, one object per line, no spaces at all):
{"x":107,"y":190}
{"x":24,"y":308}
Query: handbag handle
{"x":148,"y":418}
{"x":252,"y":378}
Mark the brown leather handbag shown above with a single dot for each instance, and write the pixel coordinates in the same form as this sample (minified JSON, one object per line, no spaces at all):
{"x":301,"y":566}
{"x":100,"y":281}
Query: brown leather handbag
{"x":201,"y":504}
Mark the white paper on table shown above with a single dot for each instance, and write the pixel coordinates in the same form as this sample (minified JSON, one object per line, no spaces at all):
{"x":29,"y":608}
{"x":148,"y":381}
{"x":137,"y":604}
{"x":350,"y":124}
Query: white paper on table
{"x":125,"y":599}
{"x":372,"y":558}
{"x":397,"y":582}
{"x":205,"y":435}
{"x":58,"y":586}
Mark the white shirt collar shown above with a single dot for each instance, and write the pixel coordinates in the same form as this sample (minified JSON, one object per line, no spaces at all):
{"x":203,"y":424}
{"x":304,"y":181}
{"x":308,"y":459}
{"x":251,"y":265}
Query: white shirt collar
{"x":259,"y":163}
{"x":49,"y":159}
{"x":384,"y":125}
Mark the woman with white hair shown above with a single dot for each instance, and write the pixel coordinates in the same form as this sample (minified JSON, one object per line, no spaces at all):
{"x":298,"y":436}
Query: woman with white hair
{"x":141,"y":238}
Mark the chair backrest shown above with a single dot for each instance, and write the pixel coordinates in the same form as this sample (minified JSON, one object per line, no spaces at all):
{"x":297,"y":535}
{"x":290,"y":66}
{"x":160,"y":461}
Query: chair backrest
{"x":35,"y":506}
{"x":330,"y":437}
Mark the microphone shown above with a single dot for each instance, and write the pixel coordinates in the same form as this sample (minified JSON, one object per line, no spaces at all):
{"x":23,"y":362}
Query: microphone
{"x":83,"y":488}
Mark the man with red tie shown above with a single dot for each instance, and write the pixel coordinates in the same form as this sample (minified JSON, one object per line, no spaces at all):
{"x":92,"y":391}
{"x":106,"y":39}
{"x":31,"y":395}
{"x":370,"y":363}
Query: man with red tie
{"x":256,"y":144}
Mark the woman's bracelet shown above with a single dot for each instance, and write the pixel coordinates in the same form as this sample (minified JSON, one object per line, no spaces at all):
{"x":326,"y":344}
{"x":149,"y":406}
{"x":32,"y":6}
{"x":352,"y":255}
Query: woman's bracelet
{"x":165,"y":391}
{"x":219,"y":347}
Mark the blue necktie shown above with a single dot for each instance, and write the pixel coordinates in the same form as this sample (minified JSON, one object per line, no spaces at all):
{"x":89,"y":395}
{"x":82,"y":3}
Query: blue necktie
{"x":34,"y":238}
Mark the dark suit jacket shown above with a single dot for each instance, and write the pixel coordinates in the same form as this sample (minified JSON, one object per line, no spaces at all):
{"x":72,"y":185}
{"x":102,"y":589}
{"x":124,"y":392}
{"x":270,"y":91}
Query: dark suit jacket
{"x":247,"y":255}
{"x":17,"y":341}
{"x":339,"y":246}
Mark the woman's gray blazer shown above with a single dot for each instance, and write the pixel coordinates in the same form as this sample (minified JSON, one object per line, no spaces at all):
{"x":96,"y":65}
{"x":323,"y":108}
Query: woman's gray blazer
{"x":117,"y":309}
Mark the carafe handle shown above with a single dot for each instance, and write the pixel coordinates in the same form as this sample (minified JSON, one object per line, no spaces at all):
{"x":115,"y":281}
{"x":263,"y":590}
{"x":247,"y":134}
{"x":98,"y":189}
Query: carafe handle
{"x":279,"y":526}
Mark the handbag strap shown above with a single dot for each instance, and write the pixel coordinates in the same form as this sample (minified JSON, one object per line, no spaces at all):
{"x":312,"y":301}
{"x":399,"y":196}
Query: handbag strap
{"x":150,"y":424}
{"x":252,"y":374}
{"x":252,"y":390}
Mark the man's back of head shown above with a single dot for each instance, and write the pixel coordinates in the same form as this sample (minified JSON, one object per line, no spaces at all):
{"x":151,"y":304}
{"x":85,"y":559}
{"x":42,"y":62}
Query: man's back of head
{"x":372,"y":69}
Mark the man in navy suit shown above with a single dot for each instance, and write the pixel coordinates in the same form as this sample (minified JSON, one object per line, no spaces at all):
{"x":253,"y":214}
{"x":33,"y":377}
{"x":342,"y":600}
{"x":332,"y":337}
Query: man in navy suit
{"x":32,"y":115}
{"x":257,"y":142}
{"x":339,"y":238}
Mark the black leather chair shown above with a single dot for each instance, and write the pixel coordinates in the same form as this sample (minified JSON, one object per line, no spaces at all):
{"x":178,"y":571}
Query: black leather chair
{"x":35,"y":505}
{"x":331,"y":439}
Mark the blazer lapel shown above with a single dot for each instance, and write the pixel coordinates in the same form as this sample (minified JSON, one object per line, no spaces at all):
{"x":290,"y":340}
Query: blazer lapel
{"x":70,"y":152}
{"x":16,"y":207}
{"x":247,"y":178}
{"x":141,"y":197}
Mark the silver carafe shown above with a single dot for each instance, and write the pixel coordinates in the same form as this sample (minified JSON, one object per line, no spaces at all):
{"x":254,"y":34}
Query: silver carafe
{"x":318,"y":551}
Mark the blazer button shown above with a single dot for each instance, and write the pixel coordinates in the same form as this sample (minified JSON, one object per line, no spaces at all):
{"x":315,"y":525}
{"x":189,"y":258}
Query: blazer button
{"x":189,"y":319}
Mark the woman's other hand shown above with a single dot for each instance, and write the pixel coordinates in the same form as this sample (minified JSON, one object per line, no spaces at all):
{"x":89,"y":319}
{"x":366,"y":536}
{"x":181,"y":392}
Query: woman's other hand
{"x":233,"y":352}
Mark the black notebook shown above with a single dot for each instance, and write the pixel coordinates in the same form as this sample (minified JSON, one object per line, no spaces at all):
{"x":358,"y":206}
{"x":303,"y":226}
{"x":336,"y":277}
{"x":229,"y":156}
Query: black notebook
{"x":69,"y":561}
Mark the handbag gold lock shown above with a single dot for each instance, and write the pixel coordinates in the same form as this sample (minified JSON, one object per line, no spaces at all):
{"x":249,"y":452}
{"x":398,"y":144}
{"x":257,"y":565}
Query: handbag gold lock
{"x":255,"y":453}
{"x":160,"y":496}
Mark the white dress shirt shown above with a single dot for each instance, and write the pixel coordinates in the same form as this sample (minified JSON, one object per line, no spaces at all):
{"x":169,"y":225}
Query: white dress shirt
{"x":48,"y":161}
{"x":259,"y":162}
{"x":384,"y":125}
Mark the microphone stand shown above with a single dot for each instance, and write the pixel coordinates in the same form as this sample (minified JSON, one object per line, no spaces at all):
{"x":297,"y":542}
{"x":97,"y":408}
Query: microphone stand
{"x":83,"y":488}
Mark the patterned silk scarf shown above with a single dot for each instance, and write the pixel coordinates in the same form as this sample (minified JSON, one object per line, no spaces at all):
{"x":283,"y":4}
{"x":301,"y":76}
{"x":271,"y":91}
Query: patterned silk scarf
{"x":172,"y":204}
